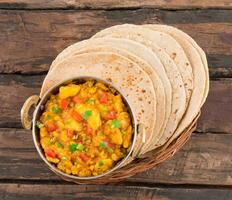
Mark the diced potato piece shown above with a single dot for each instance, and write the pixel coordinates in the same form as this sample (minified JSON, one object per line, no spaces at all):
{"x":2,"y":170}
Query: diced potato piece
{"x":43,"y":132}
{"x":124,"y":119}
{"x":116,"y":137}
{"x":73,"y":125}
{"x":54,"y":160}
{"x":63,"y":136}
{"x":102,"y":86}
{"x":60,"y":124}
{"x":44,"y":142}
{"x":127,"y":137}
{"x":69,"y":91}
{"x":94,"y":120}
{"x":118,"y":104}
{"x":115,"y":157}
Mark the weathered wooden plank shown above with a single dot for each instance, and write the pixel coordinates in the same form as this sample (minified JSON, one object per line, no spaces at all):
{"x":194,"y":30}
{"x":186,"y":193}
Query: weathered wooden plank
{"x":205,"y":159}
{"x":59,"y":192}
{"x":90,"y":192}
{"x":30,"y":40}
{"x":216,"y":113}
{"x":109,"y":4}
{"x":15,"y":89}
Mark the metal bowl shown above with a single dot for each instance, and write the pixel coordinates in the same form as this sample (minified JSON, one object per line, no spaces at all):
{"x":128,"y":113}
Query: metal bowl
{"x":39,"y":103}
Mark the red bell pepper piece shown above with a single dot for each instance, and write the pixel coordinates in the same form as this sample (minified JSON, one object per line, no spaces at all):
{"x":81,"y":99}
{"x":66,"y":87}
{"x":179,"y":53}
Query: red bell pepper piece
{"x":75,"y":115}
{"x":64,"y":104}
{"x":111,"y":115}
{"x":70,"y":133}
{"x":89,"y":130}
{"x":83,"y":157}
{"x":51,"y":127}
{"x":104,"y":98}
{"x":51,"y":153}
{"x":77,"y":100}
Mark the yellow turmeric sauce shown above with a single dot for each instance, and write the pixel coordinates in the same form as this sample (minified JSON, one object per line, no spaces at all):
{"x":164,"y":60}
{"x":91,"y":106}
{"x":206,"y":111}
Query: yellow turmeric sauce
{"x":85,"y":129}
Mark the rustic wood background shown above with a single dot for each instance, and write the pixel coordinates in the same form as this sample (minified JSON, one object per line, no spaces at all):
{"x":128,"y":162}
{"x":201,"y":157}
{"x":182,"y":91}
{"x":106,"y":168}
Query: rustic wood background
{"x":32,"y":33}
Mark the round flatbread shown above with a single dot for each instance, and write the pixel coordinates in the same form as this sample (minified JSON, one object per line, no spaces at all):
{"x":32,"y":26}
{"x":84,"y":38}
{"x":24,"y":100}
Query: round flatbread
{"x":200,"y":76}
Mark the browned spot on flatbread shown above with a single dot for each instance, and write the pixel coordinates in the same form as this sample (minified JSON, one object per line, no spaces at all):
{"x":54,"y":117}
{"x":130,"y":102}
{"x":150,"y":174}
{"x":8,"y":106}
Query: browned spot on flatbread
{"x":130,"y":80}
{"x":142,"y":111}
{"x":130,"y":65}
{"x":149,"y":102}
{"x":143,"y":91}
{"x":173,"y":56}
{"x":140,"y":98}
{"x":175,"y":111}
{"x":187,"y":64}
{"x":117,"y":69}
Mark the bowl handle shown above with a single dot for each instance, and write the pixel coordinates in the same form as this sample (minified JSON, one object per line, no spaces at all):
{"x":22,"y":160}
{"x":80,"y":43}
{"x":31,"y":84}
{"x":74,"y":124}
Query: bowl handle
{"x":25,"y":120}
{"x":141,"y":139}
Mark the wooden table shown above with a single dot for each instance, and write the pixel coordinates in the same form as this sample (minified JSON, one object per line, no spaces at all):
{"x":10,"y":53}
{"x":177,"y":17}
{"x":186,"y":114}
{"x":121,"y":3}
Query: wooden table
{"x":32,"y":33}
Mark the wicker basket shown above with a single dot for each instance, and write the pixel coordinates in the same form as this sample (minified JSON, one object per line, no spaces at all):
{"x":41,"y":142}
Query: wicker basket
{"x":151,"y":160}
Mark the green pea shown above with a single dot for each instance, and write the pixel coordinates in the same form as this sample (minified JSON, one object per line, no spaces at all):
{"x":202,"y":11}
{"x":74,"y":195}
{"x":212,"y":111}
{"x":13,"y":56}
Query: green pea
{"x":103,"y":144}
{"x":80,"y":147}
{"x":110,"y":150}
{"x":100,"y":163}
{"x":87,"y":114}
{"x":39,"y":124}
{"x":59,"y":145}
{"x":49,"y":117}
{"x":63,"y":158}
{"x":115,"y":123}
{"x":72,"y":147}
{"x":56,"y":110}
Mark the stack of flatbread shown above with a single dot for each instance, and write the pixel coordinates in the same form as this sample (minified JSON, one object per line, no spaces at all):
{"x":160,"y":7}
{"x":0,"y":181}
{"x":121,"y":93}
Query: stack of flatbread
{"x":161,"y":71}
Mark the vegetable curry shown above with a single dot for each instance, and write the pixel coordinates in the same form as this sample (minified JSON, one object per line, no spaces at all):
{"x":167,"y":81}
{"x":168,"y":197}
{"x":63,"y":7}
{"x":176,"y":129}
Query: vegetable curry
{"x":85,"y":129}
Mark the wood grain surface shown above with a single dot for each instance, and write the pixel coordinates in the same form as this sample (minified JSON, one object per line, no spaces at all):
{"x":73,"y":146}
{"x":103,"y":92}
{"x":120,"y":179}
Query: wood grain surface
{"x":114,"y":4}
{"x":69,"y":192}
{"x":30,"y":40}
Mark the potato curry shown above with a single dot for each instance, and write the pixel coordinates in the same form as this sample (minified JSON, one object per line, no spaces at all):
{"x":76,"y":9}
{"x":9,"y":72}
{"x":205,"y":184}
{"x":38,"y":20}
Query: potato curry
{"x":85,"y":129}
